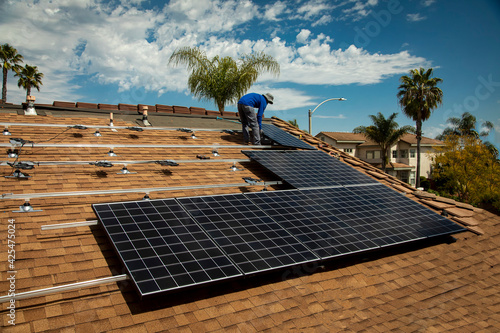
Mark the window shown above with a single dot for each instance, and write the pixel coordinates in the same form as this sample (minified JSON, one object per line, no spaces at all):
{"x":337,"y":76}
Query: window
{"x":347,"y":150}
{"x":412,"y":177}
{"x":404,"y":176}
{"x":412,"y":153}
{"x":372,"y":154}
{"x":394,"y":154}
{"x":403,"y":153}
{"x":322,"y":138}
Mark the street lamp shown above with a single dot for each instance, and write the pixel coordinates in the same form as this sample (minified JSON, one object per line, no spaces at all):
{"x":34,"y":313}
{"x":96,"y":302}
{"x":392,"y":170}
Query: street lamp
{"x":311,"y":112}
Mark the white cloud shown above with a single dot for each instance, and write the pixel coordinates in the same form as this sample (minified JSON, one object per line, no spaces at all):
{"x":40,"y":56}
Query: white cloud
{"x":415,"y":17}
{"x":360,"y":9}
{"x":303,"y":36}
{"x":274,"y":10}
{"x":340,"y":116}
{"x":428,"y":3}
{"x":86,"y":42}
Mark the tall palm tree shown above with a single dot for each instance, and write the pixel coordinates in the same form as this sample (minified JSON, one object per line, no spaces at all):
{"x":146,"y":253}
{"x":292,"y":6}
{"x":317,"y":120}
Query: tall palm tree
{"x":223,"y":80}
{"x":385,"y":132}
{"x":10,"y":60}
{"x":418,"y":95}
{"x":29,"y":77}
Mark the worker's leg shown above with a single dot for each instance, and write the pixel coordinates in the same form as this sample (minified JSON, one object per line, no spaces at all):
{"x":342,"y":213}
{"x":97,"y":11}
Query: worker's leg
{"x":253,"y":124}
{"x":244,"y":122}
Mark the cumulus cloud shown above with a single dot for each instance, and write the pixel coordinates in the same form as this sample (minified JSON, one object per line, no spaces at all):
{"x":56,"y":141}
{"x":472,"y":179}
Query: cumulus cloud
{"x":303,"y":36}
{"x":78,"y":43}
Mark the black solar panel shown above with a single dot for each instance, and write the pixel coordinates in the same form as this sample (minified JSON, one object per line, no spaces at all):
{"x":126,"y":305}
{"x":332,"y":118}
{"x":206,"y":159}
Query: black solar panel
{"x":284,"y":138}
{"x":308,"y":169}
{"x":177,"y":243}
{"x":339,"y":221}
{"x":162,"y":247}
{"x":252,"y":240}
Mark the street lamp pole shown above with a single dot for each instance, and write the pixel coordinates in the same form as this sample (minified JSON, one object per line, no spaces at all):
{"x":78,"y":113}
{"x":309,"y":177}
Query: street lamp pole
{"x":311,"y":112}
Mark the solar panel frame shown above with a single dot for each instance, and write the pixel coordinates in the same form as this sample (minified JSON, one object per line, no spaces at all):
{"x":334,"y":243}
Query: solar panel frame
{"x":162,"y":247}
{"x":284,"y":138}
{"x":320,"y":170}
{"x":250,"y":238}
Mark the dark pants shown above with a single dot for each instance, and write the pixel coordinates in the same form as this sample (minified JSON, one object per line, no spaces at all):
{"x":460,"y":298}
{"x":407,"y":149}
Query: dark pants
{"x":249,"y":120}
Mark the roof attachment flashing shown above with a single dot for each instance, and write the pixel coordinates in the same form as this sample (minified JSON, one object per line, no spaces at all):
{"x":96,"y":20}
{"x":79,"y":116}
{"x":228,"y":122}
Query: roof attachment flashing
{"x":26,"y":208}
{"x":125,"y":171}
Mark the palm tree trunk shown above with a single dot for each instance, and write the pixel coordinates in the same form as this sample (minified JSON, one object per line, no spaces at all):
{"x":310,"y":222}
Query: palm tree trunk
{"x":220,"y":105}
{"x":28,"y":90}
{"x":4,"y":85}
{"x":384,"y":159}
{"x":419,"y":137}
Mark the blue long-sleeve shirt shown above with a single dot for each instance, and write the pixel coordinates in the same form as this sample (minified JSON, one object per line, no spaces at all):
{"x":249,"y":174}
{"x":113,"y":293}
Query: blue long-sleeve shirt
{"x":256,"y":101}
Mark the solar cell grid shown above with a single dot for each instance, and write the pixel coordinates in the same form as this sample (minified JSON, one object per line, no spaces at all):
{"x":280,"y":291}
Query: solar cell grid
{"x":283,"y":138}
{"x":308,"y":169}
{"x":343,"y":220}
{"x":252,"y":240}
{"x":162,"y":247}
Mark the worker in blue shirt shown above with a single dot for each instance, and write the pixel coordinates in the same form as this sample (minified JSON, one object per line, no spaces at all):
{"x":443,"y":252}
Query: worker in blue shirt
{"x":246,"y":111}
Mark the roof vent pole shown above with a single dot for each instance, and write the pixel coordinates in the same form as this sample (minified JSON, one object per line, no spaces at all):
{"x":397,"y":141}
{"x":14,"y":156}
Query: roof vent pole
{"x":111,"y":122}
{"x":30,"y":109}
{"x":145,"y":121}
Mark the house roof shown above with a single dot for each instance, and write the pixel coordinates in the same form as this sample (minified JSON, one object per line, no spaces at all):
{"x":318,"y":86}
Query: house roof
{"x":424,"y":286}
{"x":341,"y":137}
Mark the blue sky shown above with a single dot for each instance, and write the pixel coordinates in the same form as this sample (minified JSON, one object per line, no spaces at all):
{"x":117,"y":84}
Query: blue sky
{"x":117,"y":52}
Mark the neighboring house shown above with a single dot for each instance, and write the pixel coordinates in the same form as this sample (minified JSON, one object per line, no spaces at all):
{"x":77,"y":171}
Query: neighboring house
{"x":402,"y":155}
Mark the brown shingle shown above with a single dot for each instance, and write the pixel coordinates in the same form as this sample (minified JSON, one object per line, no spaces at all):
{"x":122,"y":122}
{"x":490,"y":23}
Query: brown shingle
{"x":435,"y":287}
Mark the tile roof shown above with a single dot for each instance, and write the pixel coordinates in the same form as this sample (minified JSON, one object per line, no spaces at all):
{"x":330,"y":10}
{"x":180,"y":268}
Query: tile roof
{"x":426,"y":286}
{"x":408,"y":138}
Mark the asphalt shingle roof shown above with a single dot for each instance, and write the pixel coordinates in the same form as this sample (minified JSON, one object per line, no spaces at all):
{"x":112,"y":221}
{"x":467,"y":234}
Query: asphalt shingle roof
{"x":426,"y":286}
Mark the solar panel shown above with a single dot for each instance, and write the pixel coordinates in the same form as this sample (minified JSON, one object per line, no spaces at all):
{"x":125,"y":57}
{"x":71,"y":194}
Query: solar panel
{"x":162,"y":247}
{"x":307,"y":169}
{"x":339,"y":221}
{"x":283,"y":138}
{"x":252,"y":240}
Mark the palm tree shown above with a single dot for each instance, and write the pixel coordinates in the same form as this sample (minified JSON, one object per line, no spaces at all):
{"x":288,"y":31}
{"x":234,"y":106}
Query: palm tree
{"x":29,"y":77}
{"x":418,"y":95}
{"x":10,"y":60}
{"x":465,"y":126}
{"x":294,"y":123}
{"x":222,"y":80}
{"x":385,"y":132}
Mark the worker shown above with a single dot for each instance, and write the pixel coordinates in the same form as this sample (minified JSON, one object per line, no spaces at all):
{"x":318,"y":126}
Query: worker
{"x":249,"y":119}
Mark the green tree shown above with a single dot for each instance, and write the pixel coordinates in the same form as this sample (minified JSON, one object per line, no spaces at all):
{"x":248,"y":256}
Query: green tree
{"x":10,"y":61}
{"x":223,"y":80}
{"x":385,"y":132}
{"x":29,"y":77}
{"x":418,"y":95}
{"x":294,"y":123}
{"x":465,"y":167}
